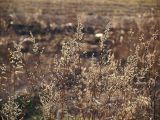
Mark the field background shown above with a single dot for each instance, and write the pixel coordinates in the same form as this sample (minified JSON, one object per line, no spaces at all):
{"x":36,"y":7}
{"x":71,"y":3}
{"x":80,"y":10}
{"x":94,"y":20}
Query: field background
{"x":67,"y":10}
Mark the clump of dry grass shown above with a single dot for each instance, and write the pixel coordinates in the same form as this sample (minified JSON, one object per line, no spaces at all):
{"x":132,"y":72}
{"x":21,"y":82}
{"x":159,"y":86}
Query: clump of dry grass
{"x":10,"y":110}
{"x":101,"y":88}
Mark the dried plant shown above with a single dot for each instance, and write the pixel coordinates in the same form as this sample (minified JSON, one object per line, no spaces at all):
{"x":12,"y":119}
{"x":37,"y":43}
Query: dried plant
{"x":10,"y":110}
{"x":101,"y":88}
{"x":47,"y":99}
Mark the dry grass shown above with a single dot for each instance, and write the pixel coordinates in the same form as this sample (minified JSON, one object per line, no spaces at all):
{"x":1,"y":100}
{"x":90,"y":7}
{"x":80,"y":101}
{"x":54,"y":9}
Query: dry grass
{"x":119,"y":80}
{"x":104,"y":88}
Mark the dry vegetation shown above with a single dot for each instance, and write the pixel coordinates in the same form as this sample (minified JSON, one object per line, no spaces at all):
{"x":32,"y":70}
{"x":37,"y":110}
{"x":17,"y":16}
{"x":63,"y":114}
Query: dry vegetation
{"x":82,"y":66}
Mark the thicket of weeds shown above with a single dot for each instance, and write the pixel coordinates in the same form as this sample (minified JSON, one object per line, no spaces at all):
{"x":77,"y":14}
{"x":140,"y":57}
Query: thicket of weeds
{"x":68,"y":87}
